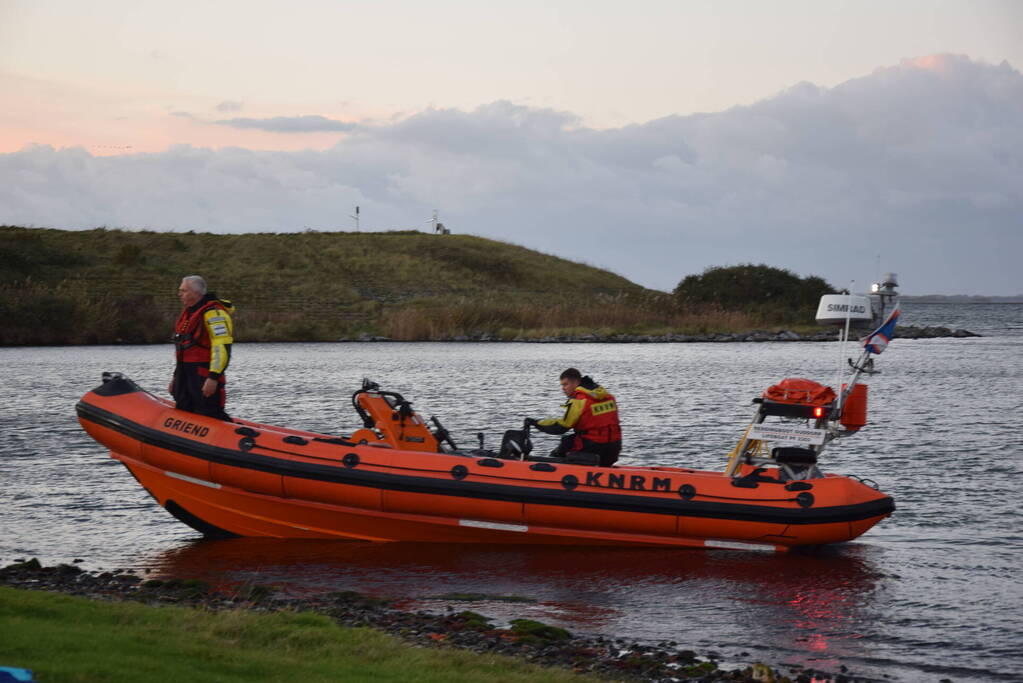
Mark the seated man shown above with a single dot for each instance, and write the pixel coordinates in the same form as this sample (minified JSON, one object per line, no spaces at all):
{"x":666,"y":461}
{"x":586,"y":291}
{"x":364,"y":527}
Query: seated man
{"x":592,"y":414}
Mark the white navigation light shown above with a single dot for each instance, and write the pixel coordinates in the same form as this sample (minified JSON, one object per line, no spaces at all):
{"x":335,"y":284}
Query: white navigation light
{"x":834,"y":309}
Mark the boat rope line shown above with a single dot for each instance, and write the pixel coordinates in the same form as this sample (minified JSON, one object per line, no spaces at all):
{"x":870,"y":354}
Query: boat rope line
{"x":501,"y":477}
{"x":480,"y":490}
{"x":253,"y":430}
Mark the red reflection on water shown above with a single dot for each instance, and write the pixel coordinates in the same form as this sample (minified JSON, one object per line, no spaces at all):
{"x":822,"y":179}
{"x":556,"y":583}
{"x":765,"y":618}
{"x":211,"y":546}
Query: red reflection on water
{"x":805,"y":603}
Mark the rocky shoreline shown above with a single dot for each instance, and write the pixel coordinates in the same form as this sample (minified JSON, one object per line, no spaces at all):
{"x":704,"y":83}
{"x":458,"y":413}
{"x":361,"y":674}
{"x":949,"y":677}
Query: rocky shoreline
{"x":613,"y":658}
{"x":825,"y":334}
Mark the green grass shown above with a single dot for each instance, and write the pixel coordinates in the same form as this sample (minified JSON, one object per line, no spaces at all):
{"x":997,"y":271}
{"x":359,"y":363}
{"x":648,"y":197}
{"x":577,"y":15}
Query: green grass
{"x":66,"y":638}
{"x":117,"y":286}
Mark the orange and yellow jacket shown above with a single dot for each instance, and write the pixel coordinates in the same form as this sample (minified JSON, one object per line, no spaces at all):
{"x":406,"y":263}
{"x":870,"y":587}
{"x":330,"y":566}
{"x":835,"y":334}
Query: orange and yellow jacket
{"x":204,"y":334}
{"x":591,"y":412}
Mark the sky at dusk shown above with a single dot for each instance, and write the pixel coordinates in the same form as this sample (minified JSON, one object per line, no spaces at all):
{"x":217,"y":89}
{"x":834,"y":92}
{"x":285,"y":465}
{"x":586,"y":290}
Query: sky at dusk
{"x":652,"y":138}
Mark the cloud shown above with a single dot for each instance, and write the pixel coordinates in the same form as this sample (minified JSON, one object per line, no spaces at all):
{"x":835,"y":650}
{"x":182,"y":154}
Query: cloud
{"x":229,"y":105}
{"x":920,"y":163}
{"x":291,"y":124}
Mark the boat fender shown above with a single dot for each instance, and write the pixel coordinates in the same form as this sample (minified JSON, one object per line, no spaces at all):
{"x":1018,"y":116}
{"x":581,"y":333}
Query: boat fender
{"x":805,"y":499}
{"x":246,"y":443}
{"x":543,"y":467}
{"x":490,"y":462}
{"x":246,"y":431}
{"x":297,"y":440}
{"x":854,"y":411}
{"x":350,"y":460}
{"x":687,"y":491}
{"x":459,"y":472}
{"x":798,"y":486}
{"x":569,"y":481}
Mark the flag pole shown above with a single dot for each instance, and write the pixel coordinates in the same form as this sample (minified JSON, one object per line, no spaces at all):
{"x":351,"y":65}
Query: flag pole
{"x":865,"y":364}
{"x":841,"y":350}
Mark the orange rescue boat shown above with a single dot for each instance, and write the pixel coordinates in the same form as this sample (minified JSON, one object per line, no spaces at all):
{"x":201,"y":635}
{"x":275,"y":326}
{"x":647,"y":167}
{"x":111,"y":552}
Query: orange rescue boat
{"x":396,"y":480}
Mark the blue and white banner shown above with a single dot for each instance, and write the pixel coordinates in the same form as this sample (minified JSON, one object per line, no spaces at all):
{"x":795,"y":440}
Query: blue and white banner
{"x":877,"y":341}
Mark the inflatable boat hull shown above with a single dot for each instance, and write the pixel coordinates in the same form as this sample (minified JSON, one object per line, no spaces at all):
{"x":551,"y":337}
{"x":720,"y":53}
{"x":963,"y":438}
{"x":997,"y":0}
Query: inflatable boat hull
{"x":246,"y":479}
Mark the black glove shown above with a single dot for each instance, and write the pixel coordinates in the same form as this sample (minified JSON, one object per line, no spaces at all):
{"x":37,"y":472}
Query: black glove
{"x":530,"y":422}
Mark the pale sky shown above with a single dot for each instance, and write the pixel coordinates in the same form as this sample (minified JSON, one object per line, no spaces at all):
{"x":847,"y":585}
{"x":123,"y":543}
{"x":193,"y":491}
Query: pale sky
{"x":109,"y":74}
{"x":677,"y":120}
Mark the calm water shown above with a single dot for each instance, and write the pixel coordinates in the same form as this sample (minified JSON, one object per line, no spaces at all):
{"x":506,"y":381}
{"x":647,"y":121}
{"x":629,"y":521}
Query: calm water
{"x":933,"y":592}
{"x":986,"y":319}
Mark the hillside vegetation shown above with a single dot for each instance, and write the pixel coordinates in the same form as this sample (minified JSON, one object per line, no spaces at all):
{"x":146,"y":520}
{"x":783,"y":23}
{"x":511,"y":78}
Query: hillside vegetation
{"x":778,"y":292}
{"x":108,"y":286}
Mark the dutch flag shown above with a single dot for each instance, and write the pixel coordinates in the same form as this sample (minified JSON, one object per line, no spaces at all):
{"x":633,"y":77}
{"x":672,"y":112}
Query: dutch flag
{"x":877,"y":341}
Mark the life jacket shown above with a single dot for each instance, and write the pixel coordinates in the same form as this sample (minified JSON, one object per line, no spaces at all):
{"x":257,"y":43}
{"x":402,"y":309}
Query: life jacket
{"x":191,"y":339}
{"x":599,"y":420}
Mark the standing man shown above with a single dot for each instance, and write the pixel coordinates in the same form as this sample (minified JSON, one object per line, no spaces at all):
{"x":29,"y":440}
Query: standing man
{"x":202,"y":344}
{"x":592,"y":414}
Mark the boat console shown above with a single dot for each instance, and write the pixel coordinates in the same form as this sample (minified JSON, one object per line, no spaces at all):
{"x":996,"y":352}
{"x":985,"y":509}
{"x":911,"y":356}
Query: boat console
{"x":389,"y":421}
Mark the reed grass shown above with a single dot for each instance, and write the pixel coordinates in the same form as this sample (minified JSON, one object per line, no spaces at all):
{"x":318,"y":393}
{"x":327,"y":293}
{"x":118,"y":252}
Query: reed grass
{"x":649,"y":314}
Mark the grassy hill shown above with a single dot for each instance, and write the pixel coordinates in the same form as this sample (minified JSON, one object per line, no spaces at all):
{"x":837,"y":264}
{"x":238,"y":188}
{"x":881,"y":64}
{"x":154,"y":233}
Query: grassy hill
{"x":108,"y":286}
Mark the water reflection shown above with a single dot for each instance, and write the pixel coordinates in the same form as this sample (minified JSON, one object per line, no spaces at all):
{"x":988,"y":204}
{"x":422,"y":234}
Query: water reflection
{"x":812,"y":603}
{"x":936,"y":585}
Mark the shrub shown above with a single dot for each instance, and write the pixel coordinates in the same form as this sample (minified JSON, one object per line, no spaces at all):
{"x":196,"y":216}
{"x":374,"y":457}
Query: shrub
{"x":751,"y":287}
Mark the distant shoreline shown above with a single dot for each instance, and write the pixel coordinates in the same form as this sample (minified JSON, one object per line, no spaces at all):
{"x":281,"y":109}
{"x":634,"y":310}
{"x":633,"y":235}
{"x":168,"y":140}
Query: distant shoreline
{"x":910,"y":332}
{"x":91,"y":287}
{"x":756,"y":336}
{"x":961,"y":299}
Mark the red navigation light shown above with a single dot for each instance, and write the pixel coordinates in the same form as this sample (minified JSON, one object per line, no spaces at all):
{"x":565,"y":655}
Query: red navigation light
{"x":818,"y":412}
